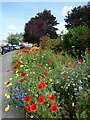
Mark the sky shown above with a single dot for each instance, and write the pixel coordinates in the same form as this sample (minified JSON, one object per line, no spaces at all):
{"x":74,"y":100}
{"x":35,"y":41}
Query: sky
{"x":15,"y":14}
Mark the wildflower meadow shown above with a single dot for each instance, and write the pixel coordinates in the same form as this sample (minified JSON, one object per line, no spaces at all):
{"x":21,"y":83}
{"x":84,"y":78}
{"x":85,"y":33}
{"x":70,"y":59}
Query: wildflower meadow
{"x":46,"y":84}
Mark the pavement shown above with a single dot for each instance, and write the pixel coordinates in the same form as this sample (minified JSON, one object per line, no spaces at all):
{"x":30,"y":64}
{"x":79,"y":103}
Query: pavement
{"x":5,"y":64}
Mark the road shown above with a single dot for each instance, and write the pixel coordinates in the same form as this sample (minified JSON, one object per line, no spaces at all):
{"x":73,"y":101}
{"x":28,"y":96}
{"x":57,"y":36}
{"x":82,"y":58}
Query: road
{"x":5,"y":64}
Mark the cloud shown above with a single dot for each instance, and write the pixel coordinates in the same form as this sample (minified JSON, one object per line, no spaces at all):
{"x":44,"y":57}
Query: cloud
{"x":12,"y":27}
{"x":66,"y":9}
{"x":61,"y":27}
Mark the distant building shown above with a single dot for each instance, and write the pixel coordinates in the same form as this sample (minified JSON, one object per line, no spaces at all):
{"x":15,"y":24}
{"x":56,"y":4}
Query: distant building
{"x":3,"y":43}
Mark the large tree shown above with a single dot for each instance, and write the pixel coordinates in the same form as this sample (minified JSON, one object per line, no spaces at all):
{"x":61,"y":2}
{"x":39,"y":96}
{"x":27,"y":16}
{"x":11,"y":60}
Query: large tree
{"x":40,"y":25}
{"x":78,"y":16}
{"x":15,"y":38}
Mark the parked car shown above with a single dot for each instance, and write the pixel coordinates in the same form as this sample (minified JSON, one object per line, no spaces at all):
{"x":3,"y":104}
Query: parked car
{"x":11,"y":48}
{"x":0,"y":49}
{"x":5,"y":49}
{"x":16,"y":47}
{"x":21,"y":46}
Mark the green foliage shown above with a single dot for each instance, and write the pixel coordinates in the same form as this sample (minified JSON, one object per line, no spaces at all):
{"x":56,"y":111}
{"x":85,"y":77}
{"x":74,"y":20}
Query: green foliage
{"x":15,"y":38}
{"x":78,"y":16}
{"x":52,"y":44}
{"x":74,"y":38}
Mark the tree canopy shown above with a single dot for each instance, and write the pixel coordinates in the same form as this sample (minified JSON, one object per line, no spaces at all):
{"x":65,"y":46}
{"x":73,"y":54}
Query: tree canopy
{"x":78,"y":16}
{"x":40,"y":25}
{"x":15,"y":38}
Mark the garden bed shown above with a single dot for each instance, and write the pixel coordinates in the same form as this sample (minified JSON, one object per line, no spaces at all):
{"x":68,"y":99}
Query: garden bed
{"x":48,"y":85}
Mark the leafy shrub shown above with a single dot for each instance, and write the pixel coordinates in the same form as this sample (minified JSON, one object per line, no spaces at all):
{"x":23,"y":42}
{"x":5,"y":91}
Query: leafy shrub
{"x":73,"y":38}
{"x":52,"y":44}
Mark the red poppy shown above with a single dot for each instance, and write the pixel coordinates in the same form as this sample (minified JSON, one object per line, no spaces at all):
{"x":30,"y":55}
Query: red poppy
{"x":15,"y":68}
{"x":24,"y":74}
{"x":54,"y":108}
{"x":28,"y":109}
{"x":65,"y":78}
{"x":27,"y":99}
{"x":41,"y":86}
{"x":45,"y":73}
{"x":49,"y":63}
{"x":68,"y":50}
{"x":21,"y":80}
{"x":33,"y":107}
{"x":19,"y":62}
{"x":52,"y":98}
{"x":8,"y":70}
{"x":88,"y":51}
{"x":42,"y":76}
{"x":60,"y":58}
{"x":40,"y":66}
{"x":41,"y":100}
{"x":81,"y":60}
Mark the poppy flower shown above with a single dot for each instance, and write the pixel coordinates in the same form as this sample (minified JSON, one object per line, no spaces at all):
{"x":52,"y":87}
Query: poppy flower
{"x":21,"y":80}
{"x":88,"y":51}
{"x":54,"y":108}
{"x":42,"y":76}
{"x":19,"y":62}
{"x":60,"y":58}
{"x":8,"y":70}
{"x":45,"y":73}
{"x":27,"y":99}
{"x":15,"y":68}
{"x":28,"y":109}
{"x":24,"y":74}
{"x":33,"y":108}
{"x":40,"y":66}
{"x":49,"y":63}
{"x":81,"y":60}
{"x":68,"y":50}
{"x":52,"y":98}
{"x":65,"y":78}
{"x":41,"y":100}
{"x":41,"y":86}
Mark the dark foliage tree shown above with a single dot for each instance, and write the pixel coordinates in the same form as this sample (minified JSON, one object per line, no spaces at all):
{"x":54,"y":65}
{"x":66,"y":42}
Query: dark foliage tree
{"x":42,"y":24}
{"x":78,"y":16}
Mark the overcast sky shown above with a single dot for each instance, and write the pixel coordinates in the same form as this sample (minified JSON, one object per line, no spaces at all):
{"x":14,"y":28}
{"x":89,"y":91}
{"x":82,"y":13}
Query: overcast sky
{"x":16,"y":14}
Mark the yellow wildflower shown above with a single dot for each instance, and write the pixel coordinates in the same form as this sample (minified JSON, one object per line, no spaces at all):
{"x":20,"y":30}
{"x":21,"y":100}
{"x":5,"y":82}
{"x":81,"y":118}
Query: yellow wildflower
{"x":11,"y":78}
{"x":7,"y":96}
{"x":10,"y":84}
{"x":16,"y":71}
{"x":21,"y":66}
{"x":7,"y":108}
{"x":61,"y":86}
{"x":50,"y":80}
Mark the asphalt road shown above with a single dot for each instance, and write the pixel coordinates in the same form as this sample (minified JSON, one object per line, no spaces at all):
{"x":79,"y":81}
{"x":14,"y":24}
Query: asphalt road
{"x":5,"y":64}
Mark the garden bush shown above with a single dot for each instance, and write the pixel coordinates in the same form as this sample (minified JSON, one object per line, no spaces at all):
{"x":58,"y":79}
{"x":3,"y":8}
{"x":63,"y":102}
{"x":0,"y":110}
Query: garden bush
{"x":52,"y":44}
{"x":74,"y":38}
{"x":49,"y":85}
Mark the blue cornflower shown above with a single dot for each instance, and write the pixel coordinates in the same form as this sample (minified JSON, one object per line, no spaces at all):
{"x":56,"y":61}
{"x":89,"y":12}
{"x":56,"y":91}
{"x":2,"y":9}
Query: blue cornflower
{"x":19,"y":104}
{"x":11,"y":88}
